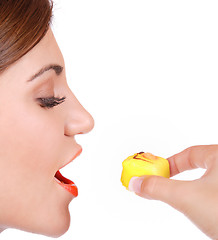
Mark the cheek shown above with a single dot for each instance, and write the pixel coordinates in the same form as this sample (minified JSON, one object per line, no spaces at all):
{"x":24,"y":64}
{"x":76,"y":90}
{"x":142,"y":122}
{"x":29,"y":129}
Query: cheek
{"x":28,"y":145}
{"x":28,"y":142}
{"x":29,"y":153}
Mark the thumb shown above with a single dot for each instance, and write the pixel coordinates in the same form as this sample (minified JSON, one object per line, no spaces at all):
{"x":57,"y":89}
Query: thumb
{"x":172,"y":192}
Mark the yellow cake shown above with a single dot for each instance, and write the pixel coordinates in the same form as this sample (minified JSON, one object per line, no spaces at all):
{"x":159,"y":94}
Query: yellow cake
{"x":141,"y":164}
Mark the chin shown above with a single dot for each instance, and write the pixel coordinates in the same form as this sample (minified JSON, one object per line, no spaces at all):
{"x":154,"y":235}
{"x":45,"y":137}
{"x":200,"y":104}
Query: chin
{"x":54,"y":228}
{"x":58,"y":226}
{"x":50,"y":223}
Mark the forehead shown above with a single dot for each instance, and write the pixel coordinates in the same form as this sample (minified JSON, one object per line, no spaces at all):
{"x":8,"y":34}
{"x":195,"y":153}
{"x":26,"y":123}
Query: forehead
{"x":46,"y":52}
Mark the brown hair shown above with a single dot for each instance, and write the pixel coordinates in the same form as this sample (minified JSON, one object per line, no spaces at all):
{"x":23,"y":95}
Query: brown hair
{"x":23,"y":23}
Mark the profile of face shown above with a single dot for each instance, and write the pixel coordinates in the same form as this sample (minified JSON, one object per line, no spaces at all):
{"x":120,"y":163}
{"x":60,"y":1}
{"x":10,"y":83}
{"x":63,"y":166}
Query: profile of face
{"x":39,"y":118}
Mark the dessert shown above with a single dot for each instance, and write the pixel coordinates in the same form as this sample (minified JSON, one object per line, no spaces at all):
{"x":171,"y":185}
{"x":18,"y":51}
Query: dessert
{"x":141,"y":164}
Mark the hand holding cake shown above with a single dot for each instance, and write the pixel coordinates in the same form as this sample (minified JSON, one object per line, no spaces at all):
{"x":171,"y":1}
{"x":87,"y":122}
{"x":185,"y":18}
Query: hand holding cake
{"x":196,"y":199}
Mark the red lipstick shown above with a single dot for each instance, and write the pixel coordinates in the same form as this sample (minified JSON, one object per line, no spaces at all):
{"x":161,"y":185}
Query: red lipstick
{"x":67,"y":184}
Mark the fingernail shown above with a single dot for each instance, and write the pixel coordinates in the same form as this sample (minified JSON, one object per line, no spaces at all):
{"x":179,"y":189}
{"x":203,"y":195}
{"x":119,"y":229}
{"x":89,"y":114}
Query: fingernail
{"x":135,"y":184}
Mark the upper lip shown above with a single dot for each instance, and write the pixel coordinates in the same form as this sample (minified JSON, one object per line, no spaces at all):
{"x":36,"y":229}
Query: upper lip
{"x":74,"y":156}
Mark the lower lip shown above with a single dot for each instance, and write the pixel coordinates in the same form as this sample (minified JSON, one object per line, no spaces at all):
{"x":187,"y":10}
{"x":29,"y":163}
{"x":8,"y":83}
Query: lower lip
{"x":67,"y":184}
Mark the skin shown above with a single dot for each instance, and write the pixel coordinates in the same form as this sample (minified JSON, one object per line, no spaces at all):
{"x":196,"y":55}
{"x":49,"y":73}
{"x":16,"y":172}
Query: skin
{"x":36,"y":142}
{"x":197,"y":199}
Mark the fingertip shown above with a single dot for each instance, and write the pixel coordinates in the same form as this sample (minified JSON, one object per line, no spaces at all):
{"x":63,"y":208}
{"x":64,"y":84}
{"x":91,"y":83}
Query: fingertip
{"x":135,"y":184}
{"x":151,"y":187}
{"x":145,"y":186}
{"x":173,"y":167}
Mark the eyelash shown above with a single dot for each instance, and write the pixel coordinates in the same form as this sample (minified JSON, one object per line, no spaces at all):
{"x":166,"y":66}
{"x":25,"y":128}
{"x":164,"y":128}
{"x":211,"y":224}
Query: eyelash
{"x":51,"y":102}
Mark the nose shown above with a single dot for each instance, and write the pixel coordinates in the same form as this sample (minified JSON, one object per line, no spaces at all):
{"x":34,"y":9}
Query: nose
{"x":78,"y":120}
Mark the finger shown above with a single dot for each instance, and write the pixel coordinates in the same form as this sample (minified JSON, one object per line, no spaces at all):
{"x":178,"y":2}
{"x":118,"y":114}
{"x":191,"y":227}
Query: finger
{"x":202,"y":156}
{"x":172,"y":192}
{"x":188,"y":197}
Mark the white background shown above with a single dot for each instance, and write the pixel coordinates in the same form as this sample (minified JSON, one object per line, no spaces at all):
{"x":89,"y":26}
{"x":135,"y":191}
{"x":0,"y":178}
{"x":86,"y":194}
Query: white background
{"x":147,"y":72}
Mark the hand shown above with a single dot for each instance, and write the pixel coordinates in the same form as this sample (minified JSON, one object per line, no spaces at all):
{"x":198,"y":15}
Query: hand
{"x":197,"y":199}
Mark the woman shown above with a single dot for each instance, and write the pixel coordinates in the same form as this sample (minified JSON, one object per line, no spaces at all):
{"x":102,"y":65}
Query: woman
{"x":39,"y":118}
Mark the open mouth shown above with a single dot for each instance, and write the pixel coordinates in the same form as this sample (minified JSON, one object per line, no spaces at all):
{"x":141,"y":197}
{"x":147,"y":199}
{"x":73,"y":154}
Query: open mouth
{"x":66,"y":183}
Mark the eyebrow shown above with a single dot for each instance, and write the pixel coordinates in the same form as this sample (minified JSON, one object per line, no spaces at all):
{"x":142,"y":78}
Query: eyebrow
{"x":57,"y":68}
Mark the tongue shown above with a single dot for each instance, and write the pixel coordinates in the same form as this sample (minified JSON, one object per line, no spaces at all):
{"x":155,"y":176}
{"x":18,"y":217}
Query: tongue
{"x":66,"y":183}
{"x":62,"y":178}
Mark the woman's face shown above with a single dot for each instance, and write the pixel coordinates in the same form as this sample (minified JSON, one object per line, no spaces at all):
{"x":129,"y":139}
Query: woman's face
{"x":37,"y":139}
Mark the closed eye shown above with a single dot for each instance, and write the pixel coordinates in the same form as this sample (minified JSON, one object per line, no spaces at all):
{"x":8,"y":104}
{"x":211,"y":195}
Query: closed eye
{"x":50,"y":102}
